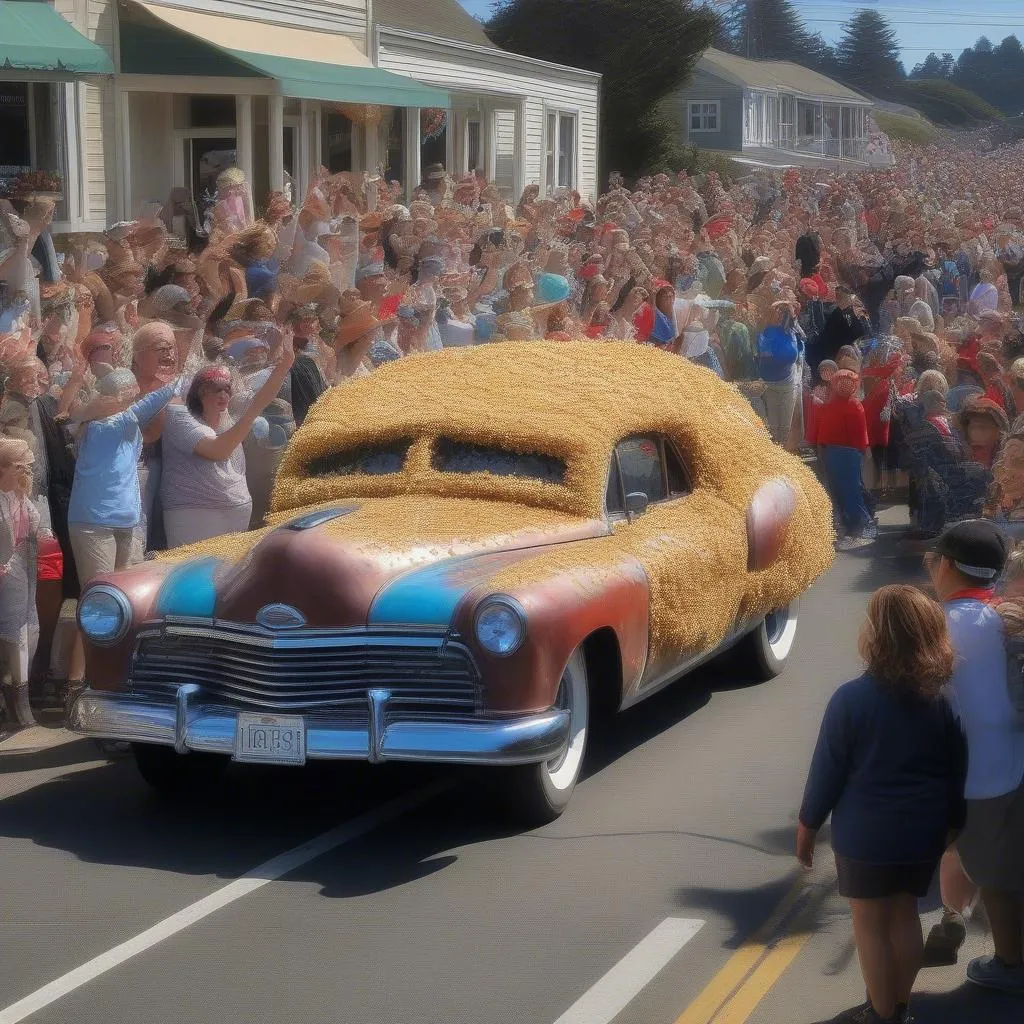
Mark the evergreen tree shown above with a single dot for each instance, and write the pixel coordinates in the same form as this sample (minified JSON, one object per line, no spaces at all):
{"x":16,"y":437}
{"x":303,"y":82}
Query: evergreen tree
{"x":642,"y":61}
{"x":766,"y":30}
{"x":930,"y":67}
{"x":869,"y":54}
{"x":819,"y":55}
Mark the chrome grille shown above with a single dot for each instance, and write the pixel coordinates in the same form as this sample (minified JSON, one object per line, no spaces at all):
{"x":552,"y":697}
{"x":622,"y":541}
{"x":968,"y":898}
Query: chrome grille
{"x":307,"y":670}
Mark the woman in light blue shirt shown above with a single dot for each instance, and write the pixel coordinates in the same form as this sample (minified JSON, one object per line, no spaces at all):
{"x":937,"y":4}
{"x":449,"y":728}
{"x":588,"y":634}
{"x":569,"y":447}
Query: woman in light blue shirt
{"x":106,"y":502}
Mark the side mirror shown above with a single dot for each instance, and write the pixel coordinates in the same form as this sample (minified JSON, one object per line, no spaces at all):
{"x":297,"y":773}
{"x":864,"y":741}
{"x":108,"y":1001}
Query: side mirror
{"x":636,"y":503}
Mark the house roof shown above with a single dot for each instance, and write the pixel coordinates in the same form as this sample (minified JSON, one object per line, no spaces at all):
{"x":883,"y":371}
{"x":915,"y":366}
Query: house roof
{"x":446,"y":19}
{"x":781,"y":75}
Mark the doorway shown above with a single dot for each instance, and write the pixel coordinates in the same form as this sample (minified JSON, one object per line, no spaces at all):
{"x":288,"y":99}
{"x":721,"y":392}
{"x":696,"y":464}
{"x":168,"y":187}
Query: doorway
{"x":205,"y":158}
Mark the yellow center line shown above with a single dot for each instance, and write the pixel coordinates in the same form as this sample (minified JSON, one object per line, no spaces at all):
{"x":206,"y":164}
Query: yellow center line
{"x":754,"y":969}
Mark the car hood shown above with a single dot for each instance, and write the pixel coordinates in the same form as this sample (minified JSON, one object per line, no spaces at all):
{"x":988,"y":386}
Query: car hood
{"x":379,"y":561}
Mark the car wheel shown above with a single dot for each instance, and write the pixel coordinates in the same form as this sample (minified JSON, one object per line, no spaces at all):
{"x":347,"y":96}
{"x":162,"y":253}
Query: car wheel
{"x":178,"y":776}
{"x":538,"y":793}
{"x":763,"y":653}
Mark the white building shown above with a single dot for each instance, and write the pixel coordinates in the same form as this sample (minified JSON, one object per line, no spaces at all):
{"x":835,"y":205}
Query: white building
{"x":151,"y":96}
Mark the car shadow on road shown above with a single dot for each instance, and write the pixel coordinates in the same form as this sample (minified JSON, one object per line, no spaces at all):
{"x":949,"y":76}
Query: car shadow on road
{"x":106,"y":815}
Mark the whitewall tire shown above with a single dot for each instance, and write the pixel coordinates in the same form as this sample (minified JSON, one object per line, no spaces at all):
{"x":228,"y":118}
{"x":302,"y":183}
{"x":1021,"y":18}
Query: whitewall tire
{"x":538,"y":793}
{"x":764,"y":652}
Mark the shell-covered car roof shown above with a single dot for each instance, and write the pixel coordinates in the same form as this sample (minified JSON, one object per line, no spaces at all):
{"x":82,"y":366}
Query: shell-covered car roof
{"x":573,"y":401}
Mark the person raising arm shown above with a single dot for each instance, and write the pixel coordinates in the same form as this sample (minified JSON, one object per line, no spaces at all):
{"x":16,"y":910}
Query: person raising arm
{"x":203,"y":487}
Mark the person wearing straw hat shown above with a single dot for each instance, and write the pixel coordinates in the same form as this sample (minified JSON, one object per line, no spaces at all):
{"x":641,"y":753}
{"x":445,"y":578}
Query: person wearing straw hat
{"x":354,"y":338}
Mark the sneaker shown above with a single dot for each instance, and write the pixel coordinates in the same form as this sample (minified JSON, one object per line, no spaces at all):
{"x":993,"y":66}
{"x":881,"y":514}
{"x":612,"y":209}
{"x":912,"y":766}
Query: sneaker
{"x":945,"y":940}
{"x":852,"y":543}
{"x":991,"y":972}
{"x":870,"y":531}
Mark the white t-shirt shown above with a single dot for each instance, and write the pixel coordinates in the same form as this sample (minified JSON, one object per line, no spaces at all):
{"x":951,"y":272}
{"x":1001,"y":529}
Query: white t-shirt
{"x":188,"y":480}
{"x":980,"y":699}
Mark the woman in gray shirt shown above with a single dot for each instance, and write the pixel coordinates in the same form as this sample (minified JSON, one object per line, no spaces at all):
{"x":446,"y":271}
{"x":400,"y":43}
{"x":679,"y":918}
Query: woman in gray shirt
{"x":203,"y":488}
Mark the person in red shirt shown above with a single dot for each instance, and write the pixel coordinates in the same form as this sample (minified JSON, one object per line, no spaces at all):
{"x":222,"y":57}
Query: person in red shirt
{"x":815,"y":399}
{"x":842,"y":434}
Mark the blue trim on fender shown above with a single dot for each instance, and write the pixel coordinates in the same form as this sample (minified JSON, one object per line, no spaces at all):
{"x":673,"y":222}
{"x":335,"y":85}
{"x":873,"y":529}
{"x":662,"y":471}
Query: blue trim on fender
{"x":189,"y":590}
{"x":422,"y":597}
{"x":428,"y":596}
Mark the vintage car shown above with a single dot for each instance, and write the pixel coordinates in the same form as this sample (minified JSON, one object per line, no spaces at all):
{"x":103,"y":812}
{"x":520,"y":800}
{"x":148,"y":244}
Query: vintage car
{"x":470,"y":553}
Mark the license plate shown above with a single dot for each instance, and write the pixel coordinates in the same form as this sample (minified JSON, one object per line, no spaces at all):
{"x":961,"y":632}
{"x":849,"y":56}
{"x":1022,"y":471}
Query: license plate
{"x":271,"y":739}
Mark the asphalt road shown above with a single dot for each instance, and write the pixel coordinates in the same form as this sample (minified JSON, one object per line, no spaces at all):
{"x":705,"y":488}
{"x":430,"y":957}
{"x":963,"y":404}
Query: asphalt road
{"x":420,"y":906}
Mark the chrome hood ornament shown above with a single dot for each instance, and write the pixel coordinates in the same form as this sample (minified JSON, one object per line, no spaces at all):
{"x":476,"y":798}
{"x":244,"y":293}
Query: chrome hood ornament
{"x":280,"y":616}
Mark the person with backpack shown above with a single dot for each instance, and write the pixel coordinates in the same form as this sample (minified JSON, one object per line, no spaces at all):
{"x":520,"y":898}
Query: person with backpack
{"x":964,"y":568}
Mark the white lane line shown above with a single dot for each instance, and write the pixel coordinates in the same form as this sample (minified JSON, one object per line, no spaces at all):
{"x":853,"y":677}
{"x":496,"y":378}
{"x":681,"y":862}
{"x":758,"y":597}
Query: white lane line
{"x":606,"y":999}
{"x":268,"y":871}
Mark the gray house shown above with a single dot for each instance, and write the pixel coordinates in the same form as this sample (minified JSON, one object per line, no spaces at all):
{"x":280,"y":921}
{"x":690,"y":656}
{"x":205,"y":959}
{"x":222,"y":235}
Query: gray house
{"x":771,"y":111}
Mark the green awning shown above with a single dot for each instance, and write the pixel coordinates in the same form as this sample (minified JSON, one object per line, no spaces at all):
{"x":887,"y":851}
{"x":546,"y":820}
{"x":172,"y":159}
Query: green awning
{"x":34,"y":37}
{"x":307,"y":65}
{"x":337,"y":83}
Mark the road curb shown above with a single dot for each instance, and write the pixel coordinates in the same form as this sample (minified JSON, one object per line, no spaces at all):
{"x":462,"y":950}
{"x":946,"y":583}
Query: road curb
{"x":35,"y":739}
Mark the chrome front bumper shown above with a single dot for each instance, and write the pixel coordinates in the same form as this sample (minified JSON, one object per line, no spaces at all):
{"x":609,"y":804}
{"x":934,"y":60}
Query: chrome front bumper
{"x":187,"y":724}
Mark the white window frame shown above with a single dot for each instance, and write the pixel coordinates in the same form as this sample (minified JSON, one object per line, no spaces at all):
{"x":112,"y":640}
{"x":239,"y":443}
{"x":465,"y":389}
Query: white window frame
{"x":552,"y":145}
{"x":703,"y":114}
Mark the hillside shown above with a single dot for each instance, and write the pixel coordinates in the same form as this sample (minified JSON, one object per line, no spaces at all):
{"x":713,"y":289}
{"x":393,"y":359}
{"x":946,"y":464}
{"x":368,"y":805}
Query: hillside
{"x":946,"y":104}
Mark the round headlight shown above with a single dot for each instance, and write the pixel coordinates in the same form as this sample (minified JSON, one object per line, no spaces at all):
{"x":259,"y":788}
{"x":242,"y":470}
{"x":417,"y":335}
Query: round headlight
{"x":501,"y":627}
{"x":104,"y":615}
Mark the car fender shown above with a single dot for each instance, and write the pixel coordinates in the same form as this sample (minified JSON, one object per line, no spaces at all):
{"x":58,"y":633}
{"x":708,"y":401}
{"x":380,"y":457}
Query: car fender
{"x":109,"y":668}
{"x":562,"y":610}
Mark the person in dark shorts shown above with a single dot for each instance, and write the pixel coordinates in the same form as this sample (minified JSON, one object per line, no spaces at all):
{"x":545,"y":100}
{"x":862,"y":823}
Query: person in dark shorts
{"x":889,"y":766}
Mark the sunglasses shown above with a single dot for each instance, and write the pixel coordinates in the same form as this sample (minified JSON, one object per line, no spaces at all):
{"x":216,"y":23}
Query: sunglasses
{"x":218,"y":389}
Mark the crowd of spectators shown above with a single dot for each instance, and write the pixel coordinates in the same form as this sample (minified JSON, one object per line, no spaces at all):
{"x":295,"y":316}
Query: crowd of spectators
{"x":860,"y":312}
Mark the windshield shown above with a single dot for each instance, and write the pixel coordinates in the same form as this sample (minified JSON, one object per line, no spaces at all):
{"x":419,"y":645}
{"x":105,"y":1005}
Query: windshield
{"x":460,"y":457}
{"x":369,"y":459}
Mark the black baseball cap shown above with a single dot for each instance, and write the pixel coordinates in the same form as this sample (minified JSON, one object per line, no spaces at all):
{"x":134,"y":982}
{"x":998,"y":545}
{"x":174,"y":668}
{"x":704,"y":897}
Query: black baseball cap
{"x":978,"y":549}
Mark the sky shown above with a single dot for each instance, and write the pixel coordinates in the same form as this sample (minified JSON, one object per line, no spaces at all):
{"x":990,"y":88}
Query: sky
{"x":922,"y":25}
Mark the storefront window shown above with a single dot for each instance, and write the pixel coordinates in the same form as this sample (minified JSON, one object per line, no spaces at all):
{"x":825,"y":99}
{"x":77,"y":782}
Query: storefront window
{"x":337,"y":142}
{"x":15,"y":155}
{"x":31,"y":135}
{"x":434,"y":137}
{"x":211,"y":111}
{"x":395,"y":161}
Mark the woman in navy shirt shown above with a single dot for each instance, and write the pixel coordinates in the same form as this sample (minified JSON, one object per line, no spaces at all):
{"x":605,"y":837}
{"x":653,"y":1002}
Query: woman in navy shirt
{"x":889,"y":766}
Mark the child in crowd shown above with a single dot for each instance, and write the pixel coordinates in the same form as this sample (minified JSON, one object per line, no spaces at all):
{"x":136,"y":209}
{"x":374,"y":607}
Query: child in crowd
{"x":842,"y":436}
{"x":19,"y":527}
{"x":889,"y":767}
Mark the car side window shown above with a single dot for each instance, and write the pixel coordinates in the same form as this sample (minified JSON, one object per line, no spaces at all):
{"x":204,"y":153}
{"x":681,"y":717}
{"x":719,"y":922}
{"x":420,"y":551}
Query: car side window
{"x":613,"y":499}
{"x":675,"y":471}
{"x":640,"y":466}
